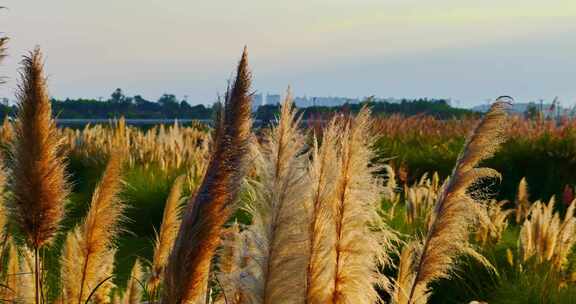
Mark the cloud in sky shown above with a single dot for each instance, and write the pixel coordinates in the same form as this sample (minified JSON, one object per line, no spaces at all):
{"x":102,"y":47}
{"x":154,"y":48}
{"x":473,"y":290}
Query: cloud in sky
{"x":466,"y":50}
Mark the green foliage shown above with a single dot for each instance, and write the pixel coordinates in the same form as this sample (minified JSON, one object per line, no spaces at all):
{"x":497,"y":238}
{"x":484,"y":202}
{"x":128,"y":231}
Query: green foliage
{"x":548,"y":162}
{"x":145,"y":193}
{"x":534,"y":287}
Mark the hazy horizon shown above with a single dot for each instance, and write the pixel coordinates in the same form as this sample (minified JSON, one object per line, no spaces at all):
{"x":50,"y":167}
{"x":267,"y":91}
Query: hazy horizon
{"x":468,"y":52}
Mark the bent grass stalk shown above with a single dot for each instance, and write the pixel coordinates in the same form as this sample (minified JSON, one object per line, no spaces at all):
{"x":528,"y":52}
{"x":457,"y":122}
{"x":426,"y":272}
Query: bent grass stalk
{"x":455,"y":207}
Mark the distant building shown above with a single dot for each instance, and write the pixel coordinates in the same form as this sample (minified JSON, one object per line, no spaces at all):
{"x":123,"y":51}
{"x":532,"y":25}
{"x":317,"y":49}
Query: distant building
{"x":335,"y":101}
{"x":323,"y":101}
{"x":257,"y":100}
{"x":302,"y":102}
{"x":272,"y":99}
{"x":547,"y":110}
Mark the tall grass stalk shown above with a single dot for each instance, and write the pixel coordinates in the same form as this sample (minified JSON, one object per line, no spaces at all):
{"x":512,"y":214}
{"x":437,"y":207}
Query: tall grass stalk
{"x":168,"y":231}
{"x":323,"y":171}
{"x":39,"y":182}
{"x":89,"y":246}
{"x":278,"y":236}
{"x":455,"y":207}
{"x":134,"y":288}
{"x":362,"y":240}
{"x":199,"y":234}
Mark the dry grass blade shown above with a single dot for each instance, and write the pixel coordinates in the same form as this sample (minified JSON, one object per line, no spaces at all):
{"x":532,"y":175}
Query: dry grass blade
{"x":88,"y":246}
{"x":199,"y":234}
{"x":168,"y":231}
{"x":455,"y":208}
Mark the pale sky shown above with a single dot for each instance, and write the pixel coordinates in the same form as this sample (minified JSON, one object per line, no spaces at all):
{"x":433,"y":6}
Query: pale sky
{"x":467,"y":50}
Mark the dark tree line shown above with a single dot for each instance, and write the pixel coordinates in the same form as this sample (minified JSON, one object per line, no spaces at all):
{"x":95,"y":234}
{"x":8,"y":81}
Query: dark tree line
{"x":169,"y":106}
{"x":438,"y":108}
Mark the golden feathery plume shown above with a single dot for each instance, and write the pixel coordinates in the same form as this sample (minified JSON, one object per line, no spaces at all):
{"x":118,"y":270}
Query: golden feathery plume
{"x":88,"y":245}
{"x":39,"y":182}
{"x":390,"y":189}
{"x":134,"y":288}
{"x":199,"y":234}
{"x":278,"y":237}
{"x":3,"y":42}
{"x":362,"y":239}
{"x":7,"y":132}
{"x":323,"y":171}
{"x":455,"y":209}
{"x":522,"y":201}
{"x":168,"y":231}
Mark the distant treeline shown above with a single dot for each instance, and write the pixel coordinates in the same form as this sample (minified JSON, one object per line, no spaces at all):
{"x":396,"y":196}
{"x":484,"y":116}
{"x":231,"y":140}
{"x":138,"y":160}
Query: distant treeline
{"x":438,"y":108}
{"x":168,"y":106}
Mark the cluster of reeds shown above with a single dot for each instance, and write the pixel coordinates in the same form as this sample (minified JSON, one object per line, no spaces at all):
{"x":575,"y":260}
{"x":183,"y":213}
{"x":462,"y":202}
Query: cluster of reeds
{"x":493,"y":221}
{"x":546,"y":237}
{"x":169,"y":148}
{"x":420,"y":199}
{"x":418,"y":127}
{"x":38,"y":186}
{"x":316,"y":236}
{"x":166,"y":147}
{"x":423,"y":127}
{"x":316,"y":231}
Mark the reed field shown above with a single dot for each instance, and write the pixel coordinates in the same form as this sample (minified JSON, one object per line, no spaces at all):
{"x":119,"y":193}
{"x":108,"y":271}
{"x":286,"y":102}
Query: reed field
{"x":357,"y":209}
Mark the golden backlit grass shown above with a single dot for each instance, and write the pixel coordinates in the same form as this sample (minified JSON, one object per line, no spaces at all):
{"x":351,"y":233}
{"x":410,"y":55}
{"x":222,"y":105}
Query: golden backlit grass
{"x":317,"y":215}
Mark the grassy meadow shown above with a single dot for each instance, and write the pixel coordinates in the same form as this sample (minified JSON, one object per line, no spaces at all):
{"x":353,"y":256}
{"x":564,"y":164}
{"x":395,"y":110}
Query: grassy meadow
{"x":359,"y":209}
